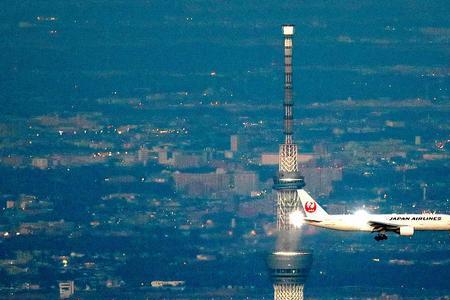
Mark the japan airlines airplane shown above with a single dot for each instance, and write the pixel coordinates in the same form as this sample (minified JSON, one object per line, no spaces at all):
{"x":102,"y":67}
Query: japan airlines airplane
{"x":404,"y":224}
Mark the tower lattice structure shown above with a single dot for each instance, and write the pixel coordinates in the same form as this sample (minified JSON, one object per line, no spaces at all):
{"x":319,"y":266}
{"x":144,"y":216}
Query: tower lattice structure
{"x":288,"y":291}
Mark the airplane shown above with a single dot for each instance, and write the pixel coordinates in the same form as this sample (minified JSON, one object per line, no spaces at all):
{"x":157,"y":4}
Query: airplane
{"x":402,"y":224}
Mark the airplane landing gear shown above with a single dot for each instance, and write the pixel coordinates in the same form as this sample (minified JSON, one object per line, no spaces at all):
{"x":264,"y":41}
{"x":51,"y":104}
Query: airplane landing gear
{"x":380,"y":237}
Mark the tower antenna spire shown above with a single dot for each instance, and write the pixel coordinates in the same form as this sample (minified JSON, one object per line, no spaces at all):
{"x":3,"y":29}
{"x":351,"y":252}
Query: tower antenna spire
{"x":288,"y":103}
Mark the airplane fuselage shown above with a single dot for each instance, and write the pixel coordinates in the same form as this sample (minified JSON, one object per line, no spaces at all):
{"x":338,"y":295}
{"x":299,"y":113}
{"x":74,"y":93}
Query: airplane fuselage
{"x":366,"y":223}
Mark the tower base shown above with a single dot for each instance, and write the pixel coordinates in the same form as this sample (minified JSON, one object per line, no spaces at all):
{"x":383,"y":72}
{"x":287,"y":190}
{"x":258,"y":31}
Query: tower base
{"x":288,"y":292}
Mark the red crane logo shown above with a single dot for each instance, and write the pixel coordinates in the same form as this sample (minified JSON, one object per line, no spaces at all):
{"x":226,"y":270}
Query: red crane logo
{"x":310,"y":206}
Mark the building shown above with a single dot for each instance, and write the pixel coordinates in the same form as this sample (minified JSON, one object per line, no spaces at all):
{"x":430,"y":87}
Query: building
{"x":216,"y":184}
{"x":143,"y":155}
{"x":165,"y":157}
{"x":234,"y":143}
{"x":66,"y":289}
{"x":10,"y":204}
{"x":320,"y":180}
{"x":40,"y":163}
{"x":183,"y":160}
{"x":238,"y":143}
{"x":245,"y":182}
{"x":202,"y":185}
{"x":418,"y":140}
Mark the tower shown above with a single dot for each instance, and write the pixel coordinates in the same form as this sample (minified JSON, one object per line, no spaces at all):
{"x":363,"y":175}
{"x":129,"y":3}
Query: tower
{"x":288,"y":179}
{"x":288,"y":266}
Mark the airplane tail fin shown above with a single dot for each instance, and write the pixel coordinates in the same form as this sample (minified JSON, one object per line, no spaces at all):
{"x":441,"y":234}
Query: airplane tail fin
{"x":312,"y":209}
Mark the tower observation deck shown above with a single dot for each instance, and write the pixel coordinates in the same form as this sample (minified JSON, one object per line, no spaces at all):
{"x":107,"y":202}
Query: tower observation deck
{"x":288,"y":266}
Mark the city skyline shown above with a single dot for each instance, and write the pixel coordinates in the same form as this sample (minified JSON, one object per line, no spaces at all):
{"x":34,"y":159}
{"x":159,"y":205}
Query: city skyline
{"x":139,"y":142}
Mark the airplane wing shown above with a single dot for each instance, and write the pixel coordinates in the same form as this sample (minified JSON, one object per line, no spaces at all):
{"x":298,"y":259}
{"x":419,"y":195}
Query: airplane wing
{"x":312,"y":220}
{"x":379,"y":226}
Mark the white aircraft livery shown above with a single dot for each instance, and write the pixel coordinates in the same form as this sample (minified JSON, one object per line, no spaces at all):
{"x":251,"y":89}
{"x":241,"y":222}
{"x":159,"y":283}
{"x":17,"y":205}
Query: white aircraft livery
{"x":403,"y":224}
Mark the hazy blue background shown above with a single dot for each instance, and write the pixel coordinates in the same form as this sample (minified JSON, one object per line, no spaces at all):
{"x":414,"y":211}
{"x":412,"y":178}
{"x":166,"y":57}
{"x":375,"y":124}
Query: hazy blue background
{"x":95,"y":48}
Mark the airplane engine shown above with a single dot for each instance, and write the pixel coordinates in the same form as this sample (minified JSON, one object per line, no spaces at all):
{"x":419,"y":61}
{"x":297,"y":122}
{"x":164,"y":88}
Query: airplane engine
{"x":406,"y":230}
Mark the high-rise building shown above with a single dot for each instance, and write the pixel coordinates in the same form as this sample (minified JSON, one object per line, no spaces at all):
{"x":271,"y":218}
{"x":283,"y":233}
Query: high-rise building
{"x":288,"y":266}
{"x":143,"y":155}
{"x":238,"y":143}
{"x":234,"y":143}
